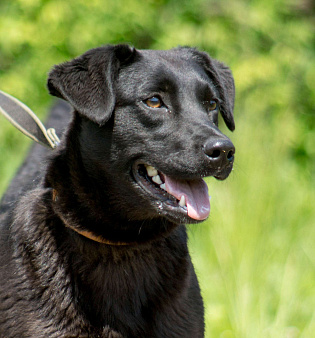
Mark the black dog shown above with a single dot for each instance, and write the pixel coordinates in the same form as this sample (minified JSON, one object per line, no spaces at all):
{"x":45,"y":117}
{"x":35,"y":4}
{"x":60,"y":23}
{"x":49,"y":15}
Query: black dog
{"x":99,"y":247}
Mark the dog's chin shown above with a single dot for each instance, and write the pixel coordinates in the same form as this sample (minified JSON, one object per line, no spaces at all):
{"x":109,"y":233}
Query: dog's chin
{"x":171,"y":198}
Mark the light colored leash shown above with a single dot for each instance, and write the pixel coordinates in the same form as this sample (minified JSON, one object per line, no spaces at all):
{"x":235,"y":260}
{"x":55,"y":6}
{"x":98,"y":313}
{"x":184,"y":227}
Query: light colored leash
{"x":24,"y":119}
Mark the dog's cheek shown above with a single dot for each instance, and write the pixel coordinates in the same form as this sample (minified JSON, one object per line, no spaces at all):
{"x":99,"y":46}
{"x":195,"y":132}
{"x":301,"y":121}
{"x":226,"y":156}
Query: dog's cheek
{"x":108,"y":157}
{"x":130,"y":138}
{"x":141,"y":133}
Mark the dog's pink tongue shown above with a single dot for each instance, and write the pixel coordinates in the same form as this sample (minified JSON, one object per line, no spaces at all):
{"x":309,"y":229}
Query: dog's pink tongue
{"x":196,"y":195}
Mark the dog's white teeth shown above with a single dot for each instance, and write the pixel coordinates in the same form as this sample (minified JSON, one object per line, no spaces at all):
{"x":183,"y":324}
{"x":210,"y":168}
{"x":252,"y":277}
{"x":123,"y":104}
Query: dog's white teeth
{"x":157,"y":179}
{"x":151,"y":171}
{"x":182,"y":201}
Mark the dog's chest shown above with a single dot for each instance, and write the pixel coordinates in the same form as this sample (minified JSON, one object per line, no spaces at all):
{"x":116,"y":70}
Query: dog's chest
{"x":118,"y":289}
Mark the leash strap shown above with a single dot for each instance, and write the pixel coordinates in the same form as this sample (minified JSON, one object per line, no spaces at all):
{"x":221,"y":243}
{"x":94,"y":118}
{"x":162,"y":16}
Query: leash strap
{"x":24,"y":119}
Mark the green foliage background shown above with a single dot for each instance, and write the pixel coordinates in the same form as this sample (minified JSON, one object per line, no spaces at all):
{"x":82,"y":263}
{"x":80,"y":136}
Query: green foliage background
{"x":255,"y":256}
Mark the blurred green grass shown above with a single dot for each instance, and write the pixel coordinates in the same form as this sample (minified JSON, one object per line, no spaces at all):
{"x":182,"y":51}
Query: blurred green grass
{"x":255,"y":256}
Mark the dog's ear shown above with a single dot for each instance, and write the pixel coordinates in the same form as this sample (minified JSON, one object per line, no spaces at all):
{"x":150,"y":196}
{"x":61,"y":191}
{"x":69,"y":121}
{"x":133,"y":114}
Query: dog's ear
{"x":87,"y":82}
{"x":227,"y":88}
{"x":222,"y":78}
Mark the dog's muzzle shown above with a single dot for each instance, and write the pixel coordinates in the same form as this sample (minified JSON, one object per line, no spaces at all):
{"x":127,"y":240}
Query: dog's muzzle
{"x":187,"y":198}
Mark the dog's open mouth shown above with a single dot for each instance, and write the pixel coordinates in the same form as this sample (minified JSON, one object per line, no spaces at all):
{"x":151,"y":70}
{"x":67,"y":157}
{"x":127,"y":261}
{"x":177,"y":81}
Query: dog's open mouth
{"x":189,"y":197}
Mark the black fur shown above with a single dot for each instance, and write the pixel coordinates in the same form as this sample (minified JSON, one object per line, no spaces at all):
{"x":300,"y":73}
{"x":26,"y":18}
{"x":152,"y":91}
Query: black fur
{"x":55,"y":282}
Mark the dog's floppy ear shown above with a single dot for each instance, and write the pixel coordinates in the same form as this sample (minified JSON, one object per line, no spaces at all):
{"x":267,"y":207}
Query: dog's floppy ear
{"x":222,"y":78}
{"x":87,"y":82}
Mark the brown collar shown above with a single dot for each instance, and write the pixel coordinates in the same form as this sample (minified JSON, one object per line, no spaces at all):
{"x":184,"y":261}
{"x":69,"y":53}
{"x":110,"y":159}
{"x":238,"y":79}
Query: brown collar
{"x":88,"y":234}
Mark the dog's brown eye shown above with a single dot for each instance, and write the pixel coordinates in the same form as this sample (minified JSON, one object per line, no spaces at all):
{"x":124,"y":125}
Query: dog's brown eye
{"x":212,"y":105}
{"x":154,"y":102}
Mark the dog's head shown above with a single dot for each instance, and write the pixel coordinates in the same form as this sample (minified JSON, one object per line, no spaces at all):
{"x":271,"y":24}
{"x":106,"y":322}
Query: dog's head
{"x":149,"y":127}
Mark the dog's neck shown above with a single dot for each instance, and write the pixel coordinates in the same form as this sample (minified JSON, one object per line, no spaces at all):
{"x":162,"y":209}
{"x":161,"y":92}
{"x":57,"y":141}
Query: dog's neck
{"x":89,"y":234}
{"x":85,"y":233}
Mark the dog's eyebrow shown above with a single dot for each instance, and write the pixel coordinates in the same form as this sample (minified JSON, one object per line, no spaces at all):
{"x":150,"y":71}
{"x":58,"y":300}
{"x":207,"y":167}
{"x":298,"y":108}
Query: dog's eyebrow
{"x":162,"y":84}
{"x":206,"y":90}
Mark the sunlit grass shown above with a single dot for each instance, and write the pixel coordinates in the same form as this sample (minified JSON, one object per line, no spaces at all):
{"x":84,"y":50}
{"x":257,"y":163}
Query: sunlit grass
{"x":255,"y":256}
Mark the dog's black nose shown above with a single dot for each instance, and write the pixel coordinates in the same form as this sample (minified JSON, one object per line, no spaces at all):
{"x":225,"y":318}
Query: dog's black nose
{"x":220,"y":151}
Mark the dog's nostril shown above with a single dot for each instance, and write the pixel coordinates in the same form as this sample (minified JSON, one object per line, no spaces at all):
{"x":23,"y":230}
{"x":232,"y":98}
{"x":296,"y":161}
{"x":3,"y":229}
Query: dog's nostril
{"x":230,"y":155}
{"x":216,"y":153}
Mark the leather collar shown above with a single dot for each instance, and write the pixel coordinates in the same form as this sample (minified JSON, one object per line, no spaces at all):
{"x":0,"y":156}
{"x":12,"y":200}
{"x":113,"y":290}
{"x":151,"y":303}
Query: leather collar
{"x":88,"y":234}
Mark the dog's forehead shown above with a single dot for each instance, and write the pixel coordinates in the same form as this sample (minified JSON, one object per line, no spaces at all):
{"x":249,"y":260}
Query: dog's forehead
{"x":173,"y":60}
{"x":173,"y":56}
{"x":164,"y":69}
